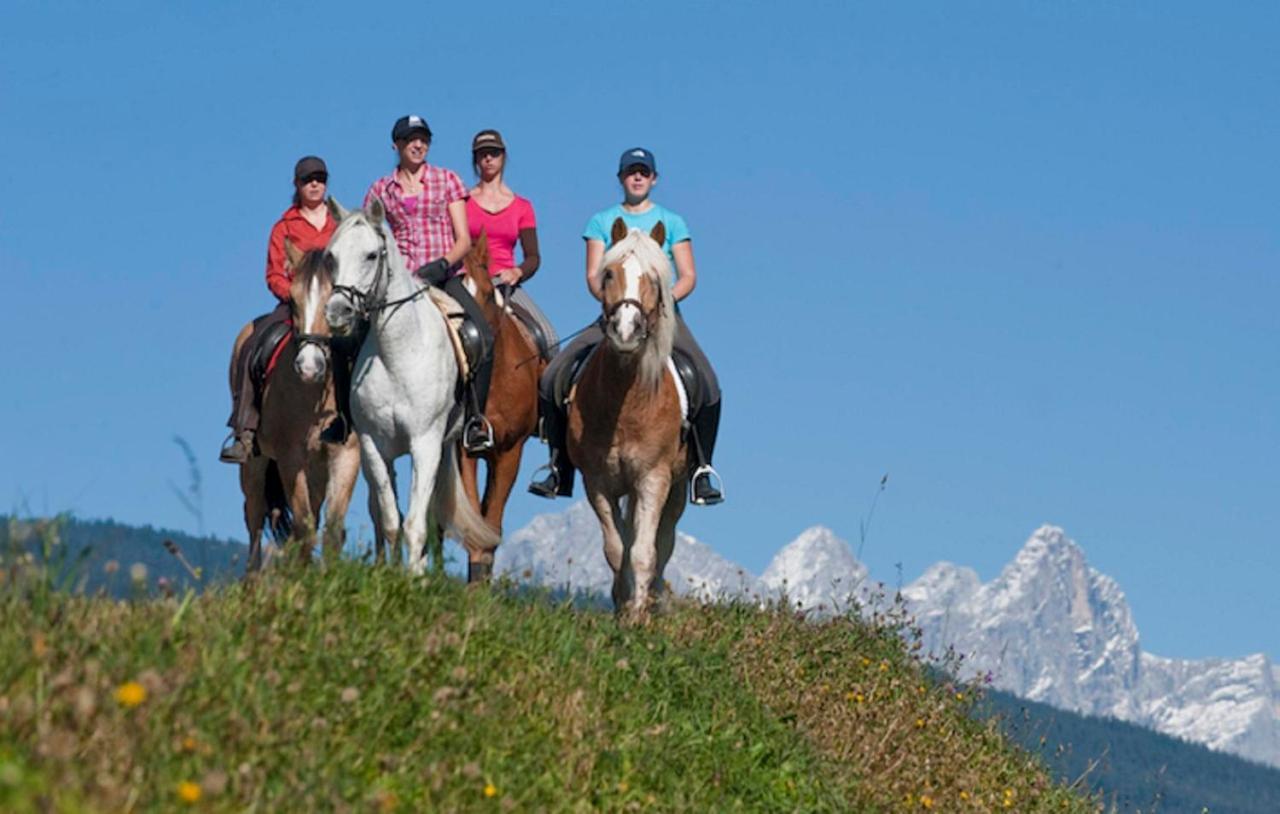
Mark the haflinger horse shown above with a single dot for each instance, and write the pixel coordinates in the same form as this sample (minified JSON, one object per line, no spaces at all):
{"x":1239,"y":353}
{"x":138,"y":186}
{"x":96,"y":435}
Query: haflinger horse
{"x":297,"y":474}
{"x":404,"y":387}
{"x":512,"y":408}
{"x":625,"y":423}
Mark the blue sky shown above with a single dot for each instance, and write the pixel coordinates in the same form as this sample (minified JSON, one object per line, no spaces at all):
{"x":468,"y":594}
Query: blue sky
{"x":1021,"y":256}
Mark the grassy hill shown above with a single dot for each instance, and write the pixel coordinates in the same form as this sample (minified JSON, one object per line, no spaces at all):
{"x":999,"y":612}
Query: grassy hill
{"x":355,"y":688}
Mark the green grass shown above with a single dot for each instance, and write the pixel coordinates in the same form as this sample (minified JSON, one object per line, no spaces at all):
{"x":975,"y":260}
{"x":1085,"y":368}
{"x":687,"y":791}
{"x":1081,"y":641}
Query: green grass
{"x":359,"y":689}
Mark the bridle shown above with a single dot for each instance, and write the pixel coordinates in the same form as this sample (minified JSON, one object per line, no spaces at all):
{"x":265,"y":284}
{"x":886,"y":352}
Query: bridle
{"x":367,"y":303}
{"x":650,"y":316}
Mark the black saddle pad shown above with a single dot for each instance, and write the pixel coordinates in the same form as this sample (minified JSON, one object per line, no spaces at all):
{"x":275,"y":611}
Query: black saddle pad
{"x":263,"y":352}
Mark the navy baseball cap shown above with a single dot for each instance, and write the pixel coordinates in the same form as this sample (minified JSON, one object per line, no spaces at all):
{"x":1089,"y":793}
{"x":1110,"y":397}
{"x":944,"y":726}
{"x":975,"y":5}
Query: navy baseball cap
{"x":406,"y":126}
{"x":637,"y":157}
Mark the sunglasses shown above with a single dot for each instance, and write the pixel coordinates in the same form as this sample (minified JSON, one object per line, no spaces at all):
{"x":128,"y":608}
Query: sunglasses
{"x":488,"y":152}
{"x":315,"y":177}
{"x":640,"y":168}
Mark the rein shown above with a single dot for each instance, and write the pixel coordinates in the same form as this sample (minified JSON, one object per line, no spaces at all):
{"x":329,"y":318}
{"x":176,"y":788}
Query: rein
{"x":365,"y":309}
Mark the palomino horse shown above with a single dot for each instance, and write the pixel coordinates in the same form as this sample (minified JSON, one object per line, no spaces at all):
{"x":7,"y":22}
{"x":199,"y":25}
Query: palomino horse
{"x":512,"y":409}
{"x":297,"y":404}
{"x":403,"y":387}
{"x":625,"y":420}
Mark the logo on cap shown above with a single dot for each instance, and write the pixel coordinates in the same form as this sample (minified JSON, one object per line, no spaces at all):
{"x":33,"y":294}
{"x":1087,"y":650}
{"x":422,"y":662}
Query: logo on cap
{"x":638,"y":153}
{"x":414,"y":120}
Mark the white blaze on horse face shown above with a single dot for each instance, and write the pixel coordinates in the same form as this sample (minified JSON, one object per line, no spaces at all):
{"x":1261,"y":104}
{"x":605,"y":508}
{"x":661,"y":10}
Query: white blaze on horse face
{"x":355,"y":251}
{"x":310,"y":363}
{"x":627,"y":322}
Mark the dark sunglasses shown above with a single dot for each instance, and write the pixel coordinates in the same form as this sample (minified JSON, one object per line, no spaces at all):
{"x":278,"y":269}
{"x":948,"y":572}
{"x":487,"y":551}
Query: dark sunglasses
{"x":640,"y":168}
{"x":315,"y":176}
{"x":488,"y":152}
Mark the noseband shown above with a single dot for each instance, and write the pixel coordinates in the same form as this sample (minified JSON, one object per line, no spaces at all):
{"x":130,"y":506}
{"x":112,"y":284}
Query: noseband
{"x":361,"y":300}
{"x":650,"y":316}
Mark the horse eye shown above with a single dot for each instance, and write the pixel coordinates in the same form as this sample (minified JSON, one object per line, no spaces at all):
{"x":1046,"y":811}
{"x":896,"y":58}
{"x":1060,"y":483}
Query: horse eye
{"x":608,"y":276}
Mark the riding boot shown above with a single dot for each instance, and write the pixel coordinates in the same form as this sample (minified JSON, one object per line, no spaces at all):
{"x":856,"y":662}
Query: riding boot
{"x":558,"y":482}
{"x":477,"y":432}
{"x":342,"y":424}
{"x":240,"y":445}
{"x":705,"y":486}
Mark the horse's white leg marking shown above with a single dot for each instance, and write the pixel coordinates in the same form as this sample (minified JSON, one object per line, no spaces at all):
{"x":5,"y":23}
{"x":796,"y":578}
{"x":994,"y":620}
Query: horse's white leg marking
{"x":382,"y":490}
{"x":649,"y":500}
{"x":426,"y":450}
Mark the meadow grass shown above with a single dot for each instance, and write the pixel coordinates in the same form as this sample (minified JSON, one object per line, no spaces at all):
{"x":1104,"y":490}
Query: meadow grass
{"x":352,"y":688}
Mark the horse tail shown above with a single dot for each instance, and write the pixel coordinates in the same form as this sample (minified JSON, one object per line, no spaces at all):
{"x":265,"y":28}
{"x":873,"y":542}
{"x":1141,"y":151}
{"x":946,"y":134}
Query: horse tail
{"x":459,"y":518}
{"x":279,"y":516}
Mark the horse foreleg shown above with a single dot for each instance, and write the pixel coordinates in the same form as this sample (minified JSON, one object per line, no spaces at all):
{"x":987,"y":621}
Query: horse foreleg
{"x":293,"y":474}
{"x":666,"y":538}
{"x":253,"y":484}
{"x":646,"y":512}
{"x":344,"y":465}
{"x":610,"y":516}
{"x":382,"y":500}
{"x":425,"y":451}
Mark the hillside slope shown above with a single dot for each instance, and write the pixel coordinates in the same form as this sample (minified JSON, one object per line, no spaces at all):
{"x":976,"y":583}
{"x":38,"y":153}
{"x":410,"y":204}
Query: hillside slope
{"x":358,"y":688}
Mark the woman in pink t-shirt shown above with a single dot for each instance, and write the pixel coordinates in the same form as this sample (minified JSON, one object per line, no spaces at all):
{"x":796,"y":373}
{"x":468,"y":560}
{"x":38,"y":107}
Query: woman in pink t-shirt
{"x":507,"y":219}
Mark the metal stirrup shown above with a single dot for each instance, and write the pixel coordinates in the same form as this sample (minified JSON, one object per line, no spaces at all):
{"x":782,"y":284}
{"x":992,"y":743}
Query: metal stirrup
{"x":716,"y":483}
{"x":488,"y":434}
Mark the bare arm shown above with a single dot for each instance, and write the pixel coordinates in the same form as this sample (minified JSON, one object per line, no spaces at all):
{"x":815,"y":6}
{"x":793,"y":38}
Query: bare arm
{"x":595,"y":253}
{"x":461,"y":236}
{"x":686,"y":271}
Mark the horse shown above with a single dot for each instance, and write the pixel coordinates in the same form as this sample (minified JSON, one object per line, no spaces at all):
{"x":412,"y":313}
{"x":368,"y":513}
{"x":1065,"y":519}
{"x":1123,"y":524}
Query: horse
{"x":297,"y":474}
{"x":625,"y":422}
{"x":512,"y":409}
{"x":404,"y":387}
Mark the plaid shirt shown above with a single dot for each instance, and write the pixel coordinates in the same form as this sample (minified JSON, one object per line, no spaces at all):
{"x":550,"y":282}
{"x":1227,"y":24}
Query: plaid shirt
{"x":421,"y":224}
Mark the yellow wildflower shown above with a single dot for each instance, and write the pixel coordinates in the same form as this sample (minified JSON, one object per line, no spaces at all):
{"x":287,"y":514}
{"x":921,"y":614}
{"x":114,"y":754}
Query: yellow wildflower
{"x":959,"y":696}
{"x":919,"y":723}
{"x":490,"y":790}
{"x":131,"y":694}
{"x":926,"y":801}
{"x":189,"y":792}
{"x":964,"y":795}
{"x":622,"y":787}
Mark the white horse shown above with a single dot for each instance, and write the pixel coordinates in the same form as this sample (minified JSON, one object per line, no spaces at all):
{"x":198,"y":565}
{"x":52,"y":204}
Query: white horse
{"x":403,"y":387}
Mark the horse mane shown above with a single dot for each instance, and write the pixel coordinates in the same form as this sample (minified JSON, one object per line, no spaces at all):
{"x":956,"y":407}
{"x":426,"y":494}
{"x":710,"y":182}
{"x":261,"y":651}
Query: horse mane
{"x":657,"y":267}
{"x":315,"y":263}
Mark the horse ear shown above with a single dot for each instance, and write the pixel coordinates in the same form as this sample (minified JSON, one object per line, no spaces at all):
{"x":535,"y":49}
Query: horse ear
{"x":659,"y":233}
{"x":376,"y":211}
{"x":336,"y":209}
{"x":481,"y":247}
{"x":619,"y":231}
{"x":292,"y":253}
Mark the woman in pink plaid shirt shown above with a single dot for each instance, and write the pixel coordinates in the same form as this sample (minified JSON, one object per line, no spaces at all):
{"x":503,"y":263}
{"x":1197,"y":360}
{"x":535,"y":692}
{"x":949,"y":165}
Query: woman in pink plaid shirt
{"x":427,"y":211}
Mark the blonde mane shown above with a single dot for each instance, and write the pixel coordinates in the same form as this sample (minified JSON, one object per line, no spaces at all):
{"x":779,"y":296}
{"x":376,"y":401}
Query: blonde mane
{"x":657,"y":267}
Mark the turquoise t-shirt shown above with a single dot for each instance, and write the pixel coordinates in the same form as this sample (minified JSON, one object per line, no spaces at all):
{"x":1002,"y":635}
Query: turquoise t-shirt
{"x":601,"y":226}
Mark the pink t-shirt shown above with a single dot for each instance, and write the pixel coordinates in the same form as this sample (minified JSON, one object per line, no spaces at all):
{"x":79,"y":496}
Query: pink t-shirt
{"x":502,"y":227}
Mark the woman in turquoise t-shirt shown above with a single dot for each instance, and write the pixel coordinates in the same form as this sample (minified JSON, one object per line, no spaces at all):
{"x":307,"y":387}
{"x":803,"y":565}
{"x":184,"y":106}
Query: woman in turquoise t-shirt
{"x":637,"y":172}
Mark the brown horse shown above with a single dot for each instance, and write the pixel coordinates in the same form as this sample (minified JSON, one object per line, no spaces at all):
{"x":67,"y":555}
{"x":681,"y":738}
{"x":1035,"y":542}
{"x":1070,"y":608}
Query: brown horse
{"x":297,"y":473}
{"x":625,"y":420}
{"x":512,"y":409}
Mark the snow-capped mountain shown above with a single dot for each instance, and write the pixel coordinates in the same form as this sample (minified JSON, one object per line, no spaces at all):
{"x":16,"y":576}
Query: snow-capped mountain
{"x":1053,"y":629}
{"x":1050,"y":627}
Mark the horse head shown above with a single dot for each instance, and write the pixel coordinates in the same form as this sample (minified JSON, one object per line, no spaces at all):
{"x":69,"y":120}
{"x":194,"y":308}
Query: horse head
{"x":635,"y":285}
{"x":359,"y":248}
{"x":312,"y":284}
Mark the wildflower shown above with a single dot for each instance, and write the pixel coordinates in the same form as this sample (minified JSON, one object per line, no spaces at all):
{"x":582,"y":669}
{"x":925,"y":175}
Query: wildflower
{"x":964,"y":795}
{"x":959,"y":696}
{"x":131,"y":694}
{"x":926,"y":801}
{"x":919,"y":723}
{"x":189,"y":792}
{"x":189,"y":744}
{"x":138,"y":572}
{"x":490,"y":790}
{"x":622,"y":787}
{"x":349,"y":695}
{"x":884,"y":666}
{"x":1008,"y":798}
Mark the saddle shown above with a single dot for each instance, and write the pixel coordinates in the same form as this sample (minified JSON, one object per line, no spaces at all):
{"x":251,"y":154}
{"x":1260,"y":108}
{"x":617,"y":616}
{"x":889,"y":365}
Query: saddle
{"x":266,"y":351}
{"x":540,"y":339}
{"x":689,"y":385}
{"x":465,"y":337}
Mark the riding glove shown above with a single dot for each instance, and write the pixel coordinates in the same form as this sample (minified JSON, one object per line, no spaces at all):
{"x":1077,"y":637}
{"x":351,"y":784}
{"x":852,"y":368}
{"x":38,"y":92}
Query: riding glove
{"x":435,"y":273}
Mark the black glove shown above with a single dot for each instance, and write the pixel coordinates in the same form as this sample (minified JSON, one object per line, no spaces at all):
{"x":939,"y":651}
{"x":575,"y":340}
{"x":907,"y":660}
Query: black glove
{"x":435,"y":273}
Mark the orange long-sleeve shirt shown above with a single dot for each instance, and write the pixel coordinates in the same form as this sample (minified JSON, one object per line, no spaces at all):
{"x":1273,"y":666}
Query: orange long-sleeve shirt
{"x":301,"y":234}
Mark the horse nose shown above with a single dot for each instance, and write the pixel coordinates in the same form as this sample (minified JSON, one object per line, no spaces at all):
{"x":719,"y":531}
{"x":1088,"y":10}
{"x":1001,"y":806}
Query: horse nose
{"x":310,"y":366}
{"x":339,"y":314}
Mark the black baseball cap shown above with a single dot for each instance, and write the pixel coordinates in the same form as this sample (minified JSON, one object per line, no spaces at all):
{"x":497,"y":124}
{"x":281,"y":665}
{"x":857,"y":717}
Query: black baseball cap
{"x":637,"y":157}
{"x":406,"y":126}
{"x":310,"y":165}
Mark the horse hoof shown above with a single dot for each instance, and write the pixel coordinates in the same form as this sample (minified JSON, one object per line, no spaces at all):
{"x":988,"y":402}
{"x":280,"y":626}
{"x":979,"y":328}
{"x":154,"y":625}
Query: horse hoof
{"x":479,"y":571}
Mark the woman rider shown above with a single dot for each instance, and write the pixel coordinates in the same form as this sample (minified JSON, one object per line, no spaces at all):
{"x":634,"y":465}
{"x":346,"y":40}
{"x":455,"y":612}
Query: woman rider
{"x":506,"y":218}
{"x":426,"y":208}
{"x":638,"y":173}
{"x":307,"y":225}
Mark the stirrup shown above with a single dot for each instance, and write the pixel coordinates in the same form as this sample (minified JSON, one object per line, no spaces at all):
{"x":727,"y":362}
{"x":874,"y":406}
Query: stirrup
{"x":235,"y":450}
{"x":714,"y":483}
{"x":477,"y":425}
{"x":547,"y":486}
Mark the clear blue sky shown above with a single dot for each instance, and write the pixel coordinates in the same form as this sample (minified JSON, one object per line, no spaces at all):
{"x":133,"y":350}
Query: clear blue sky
{"x":1021,"y":256}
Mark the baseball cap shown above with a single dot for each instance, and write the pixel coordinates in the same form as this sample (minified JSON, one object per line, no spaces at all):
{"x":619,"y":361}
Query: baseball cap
{"x":309,"y":165}
{"x":487,"y":140}
{"x":406,"y":126}
{"x":637,"y":156}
